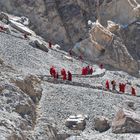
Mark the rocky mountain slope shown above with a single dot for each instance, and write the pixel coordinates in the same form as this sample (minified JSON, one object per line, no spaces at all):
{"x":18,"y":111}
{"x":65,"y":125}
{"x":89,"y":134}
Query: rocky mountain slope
{"x":65,"y":22}
{"x":35,"y":106}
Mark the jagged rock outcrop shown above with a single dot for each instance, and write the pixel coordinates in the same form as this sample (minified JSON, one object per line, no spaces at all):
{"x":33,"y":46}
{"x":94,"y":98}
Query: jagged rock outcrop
{"x":31,"y":86}
{"x":126,"y":121}
{"x":106,"y":47}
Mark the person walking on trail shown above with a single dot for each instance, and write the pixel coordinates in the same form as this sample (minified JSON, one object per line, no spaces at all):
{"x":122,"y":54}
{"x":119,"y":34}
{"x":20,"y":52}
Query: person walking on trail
{"x":51,"y":69}
{"x":83,"y":71}
{"x":101,"y":66}
{"x":91,"y":71}
{"x":113,"y":85}
{"x":50,"y":44}
{"x":53,"y":72}
{"x":88,"y":70}
{"x":107,"y":84}
{"x":80,"y":57}
{"x":120,"y":87}
{"x":1,"y":28}
{"x":63,"y":73}
{"x":123,"y":88}
{"x":70,"y":52}
{"x":69,"y":76}
{"x":133,"y":91}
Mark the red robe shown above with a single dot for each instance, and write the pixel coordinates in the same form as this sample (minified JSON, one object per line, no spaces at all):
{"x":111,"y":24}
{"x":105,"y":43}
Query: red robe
{"x":50,"y":45}
{"x":63,"y":73}
{"x":83,"y":71}
{"x":69,"y":76}
{"x":101,"y":66}
{"x":86,"y":70}
{"x":54,"y":72}
{"x":133,"y":91}
{"x":91,"y":70}
{"x":120,"y":87}
{"x":51,"y":69}
{"x":123,"y":88}
{"x":107,"y":85}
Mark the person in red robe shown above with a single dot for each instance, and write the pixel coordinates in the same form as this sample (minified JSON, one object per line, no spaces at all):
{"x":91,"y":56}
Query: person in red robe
{"x":53,"y":72}
{"x":101,"y":66}
{"x":70,"y":52}
{"x":133,"y":91}
{"x":51,"y":69}
{"x":86,"y":70}
{"x":120,"y":87}
{"x":50,"y":44}
{"x":83,"y":71}
{"x":123,"y":88}
{"x":64,"y":75}
{"x":113,"y":85}
{"x":107,"y":84}
{"x":69,"y":76}
{"x":80,"y":57}
{"x":91,"y":71}
{"x":2,"y":29}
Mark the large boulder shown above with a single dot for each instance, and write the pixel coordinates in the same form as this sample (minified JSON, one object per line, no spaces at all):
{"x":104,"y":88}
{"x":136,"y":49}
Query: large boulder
{"x":126,"y":121}
{"x":101,"y":124}
{"x":76,"y":122}
{"x":105,"y":47}
{"x":38,"y":43}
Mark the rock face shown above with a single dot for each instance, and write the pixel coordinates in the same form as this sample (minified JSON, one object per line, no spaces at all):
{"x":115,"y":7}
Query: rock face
{"x":106,"y":47}
{"x":132,"y":39}
{"x":126,"y":121}
{"x":120,"y":11}
{"x":101,"y":124}
{"x":17,"y":113}
{"x":62,"y":22}
{"x":31,"y":86}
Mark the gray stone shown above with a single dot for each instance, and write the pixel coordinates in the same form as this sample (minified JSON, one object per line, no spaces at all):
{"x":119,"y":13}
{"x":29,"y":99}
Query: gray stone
{"x":126,"y":121}
{"x":76,"y":122}
{"x":101,"y":124}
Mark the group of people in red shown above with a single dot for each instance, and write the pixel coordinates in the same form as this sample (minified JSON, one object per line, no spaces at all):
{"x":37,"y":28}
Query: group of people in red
{"x":65,"y":75}
{"x":87,"y":70}
{"x":122,"y":87}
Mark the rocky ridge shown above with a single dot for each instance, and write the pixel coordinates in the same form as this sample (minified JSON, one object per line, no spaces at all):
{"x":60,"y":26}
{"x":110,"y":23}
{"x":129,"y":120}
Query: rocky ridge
{"x":35,"y":106}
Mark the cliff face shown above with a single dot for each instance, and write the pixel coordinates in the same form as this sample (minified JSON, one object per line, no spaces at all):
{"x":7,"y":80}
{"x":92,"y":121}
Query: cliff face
{"x":62,"y":22}
{"x":65,"y":22}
